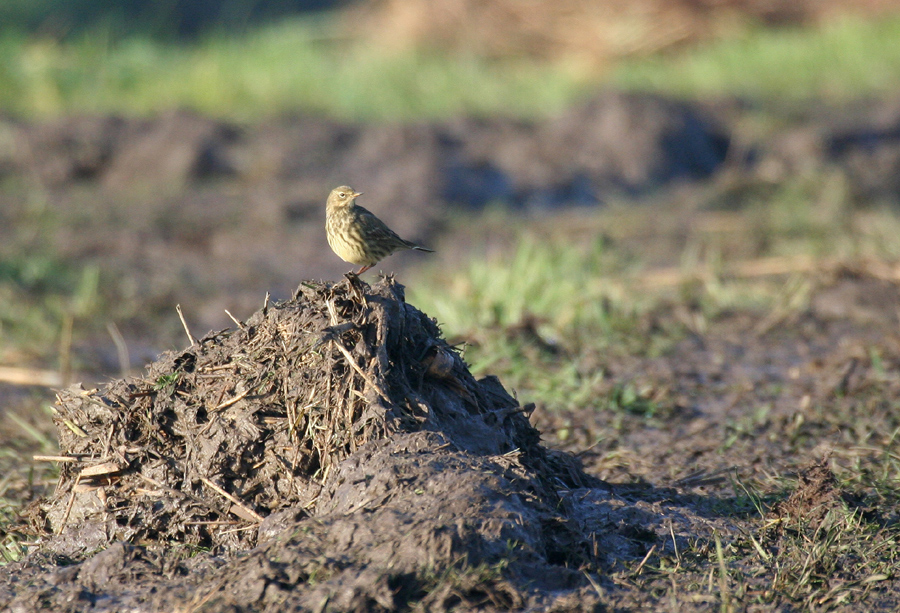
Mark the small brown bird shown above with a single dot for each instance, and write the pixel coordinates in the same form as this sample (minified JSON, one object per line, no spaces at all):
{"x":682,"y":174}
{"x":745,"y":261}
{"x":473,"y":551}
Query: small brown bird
{"x":356,"y":235}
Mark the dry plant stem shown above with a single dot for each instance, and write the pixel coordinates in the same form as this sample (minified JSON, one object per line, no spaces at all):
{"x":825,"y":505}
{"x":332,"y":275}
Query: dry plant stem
{"x":637,"y":570}
{"x":232,"y":499}
{"x":65,"y":519}
{"x":54,"y":458}
{"x":198,"y":603}
{"x":30,"y":376}
{"x":359,"y":371}
{"x":593,"y":582}
{"x":184,"y":324}
{"x":237,"y":322}
{"x":121,"y":348}
{"x":232,"y":401}
{"x":332,"y":311}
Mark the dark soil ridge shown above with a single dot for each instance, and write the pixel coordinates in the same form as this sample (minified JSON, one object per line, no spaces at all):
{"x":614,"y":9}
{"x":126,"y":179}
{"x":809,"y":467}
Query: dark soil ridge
{"x":613,"y":142}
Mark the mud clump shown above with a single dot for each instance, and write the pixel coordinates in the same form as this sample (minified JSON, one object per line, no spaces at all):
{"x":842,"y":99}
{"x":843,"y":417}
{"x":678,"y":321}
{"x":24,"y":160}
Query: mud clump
{"x":339,"y":443}
{"x":817,"y":495}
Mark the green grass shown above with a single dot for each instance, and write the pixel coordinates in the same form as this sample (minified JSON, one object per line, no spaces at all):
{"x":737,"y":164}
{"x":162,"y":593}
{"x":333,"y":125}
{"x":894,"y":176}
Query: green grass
{"x":297,"y":65}
{"x":838,"y":550}
{"x":42,"y":292}
{"x":40,"y":298}
{"x":545,"y":279}
{"x":549,"y":307}
{"x":309,"y":65}
{"x":537,"y":303}
{"x":843,"y":60}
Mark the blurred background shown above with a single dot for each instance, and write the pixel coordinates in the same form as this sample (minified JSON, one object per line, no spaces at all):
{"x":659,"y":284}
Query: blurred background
{"x":585,"y":170}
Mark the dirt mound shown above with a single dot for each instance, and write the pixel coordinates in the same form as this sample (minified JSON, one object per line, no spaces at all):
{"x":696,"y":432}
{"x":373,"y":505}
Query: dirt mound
{"x":429,"y":518}
{"x":248,"y":422}
{"x":339,"y":443}
{"x":817,"y":493}
{"x":612,"y":144}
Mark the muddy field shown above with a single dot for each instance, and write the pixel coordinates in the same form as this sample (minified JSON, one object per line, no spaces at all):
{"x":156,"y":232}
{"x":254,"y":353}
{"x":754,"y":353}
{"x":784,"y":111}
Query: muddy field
{"x":331,"y":451}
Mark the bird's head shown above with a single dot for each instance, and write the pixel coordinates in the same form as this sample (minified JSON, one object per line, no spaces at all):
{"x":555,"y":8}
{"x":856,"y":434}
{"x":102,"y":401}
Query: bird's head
{"x":342,"y":196}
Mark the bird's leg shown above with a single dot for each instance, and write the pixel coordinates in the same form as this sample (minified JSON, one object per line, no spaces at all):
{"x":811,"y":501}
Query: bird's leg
{"x":363,"y":269}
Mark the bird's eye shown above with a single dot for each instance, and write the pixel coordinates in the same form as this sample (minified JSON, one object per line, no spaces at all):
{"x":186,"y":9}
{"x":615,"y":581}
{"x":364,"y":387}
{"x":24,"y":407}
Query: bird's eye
{"x":342,"y":195}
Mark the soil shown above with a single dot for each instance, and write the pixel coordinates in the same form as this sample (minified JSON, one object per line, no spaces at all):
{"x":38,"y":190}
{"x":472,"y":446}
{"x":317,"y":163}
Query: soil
{"x":261,"y":469}
{"x":417,"y":487}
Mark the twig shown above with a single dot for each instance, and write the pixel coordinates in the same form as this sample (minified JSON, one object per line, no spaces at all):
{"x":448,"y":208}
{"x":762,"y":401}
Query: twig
{"x":71,"y":502}
{"x":644,"y":561}
{"x":359,"y":370}
{"x":240,"y":505}
{"x":54,"y":458}
{"x":674,"y":542}
{"x":152,"y":481}
{"x":240,"y":529}
{"x":216,"y":368}
{"x":237,"y":322}
{"x":332,"y":311}
{"x":75,"y":428}
{"x":228,"y":403}
{"x":100,"y":470}
{"x":197,"y":603}
{"x":593,"y":583}
{"x":266,"y":305}
{"x":184,"y":323}
{"x":30,"y":376}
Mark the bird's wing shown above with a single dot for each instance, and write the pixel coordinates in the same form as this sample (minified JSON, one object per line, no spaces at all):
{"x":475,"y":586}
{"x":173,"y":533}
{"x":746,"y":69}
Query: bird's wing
{"x":377,"y":230}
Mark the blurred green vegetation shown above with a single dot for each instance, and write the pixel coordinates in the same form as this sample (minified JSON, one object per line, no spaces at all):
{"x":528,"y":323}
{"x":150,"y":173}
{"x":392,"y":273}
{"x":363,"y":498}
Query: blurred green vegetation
{"x":296,"y":65}
{"x":165,"y":20}
{"x":842,"y":60}
{"x":560,"y":299}
{"x":310,"y":64}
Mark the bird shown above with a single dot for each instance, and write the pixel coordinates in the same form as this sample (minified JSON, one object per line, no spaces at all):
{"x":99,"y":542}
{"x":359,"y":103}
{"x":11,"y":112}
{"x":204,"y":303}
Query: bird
{"x":356,"y":235}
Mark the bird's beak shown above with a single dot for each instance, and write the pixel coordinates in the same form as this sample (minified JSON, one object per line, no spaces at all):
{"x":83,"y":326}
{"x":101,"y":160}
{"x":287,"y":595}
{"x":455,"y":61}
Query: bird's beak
{"x":355,"y":194}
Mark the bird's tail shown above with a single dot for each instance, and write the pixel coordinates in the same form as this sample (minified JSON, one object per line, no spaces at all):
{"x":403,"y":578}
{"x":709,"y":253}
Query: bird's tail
{"x":411,"y":245}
